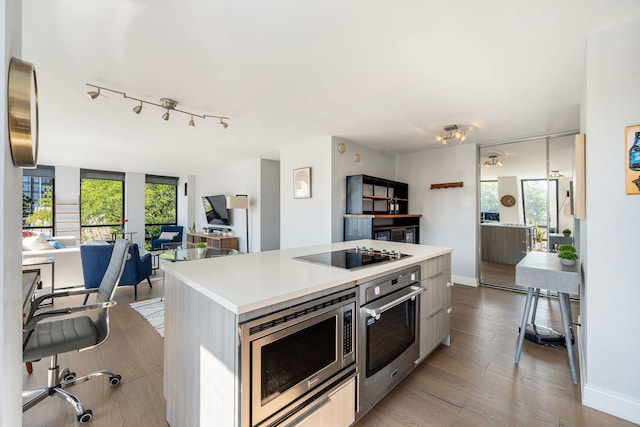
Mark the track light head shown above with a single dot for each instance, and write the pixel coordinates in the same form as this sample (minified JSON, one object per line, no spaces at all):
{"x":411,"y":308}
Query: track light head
{"x":94,"y":94}
{"x":165,"y":116}
{"x":224,"y":124}
{"x":137,"y":108}
{"x":192,"y":124}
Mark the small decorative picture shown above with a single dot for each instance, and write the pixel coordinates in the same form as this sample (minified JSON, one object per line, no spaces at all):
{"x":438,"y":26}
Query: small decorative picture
{"x":302,"y":183}
{"x":632,"y":159}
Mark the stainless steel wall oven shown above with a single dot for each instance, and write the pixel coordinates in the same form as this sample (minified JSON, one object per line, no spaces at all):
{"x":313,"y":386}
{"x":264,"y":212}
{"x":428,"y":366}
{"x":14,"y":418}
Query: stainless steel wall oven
{"x":289,"y":356}
{"x":389,"y":343}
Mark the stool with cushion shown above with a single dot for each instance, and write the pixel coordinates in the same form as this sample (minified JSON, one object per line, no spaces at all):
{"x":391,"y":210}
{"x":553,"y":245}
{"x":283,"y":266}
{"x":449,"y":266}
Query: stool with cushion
{"x":50,"y":338}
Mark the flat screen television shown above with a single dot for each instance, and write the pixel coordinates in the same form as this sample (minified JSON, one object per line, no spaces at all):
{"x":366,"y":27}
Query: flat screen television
{"x":215,"y":208}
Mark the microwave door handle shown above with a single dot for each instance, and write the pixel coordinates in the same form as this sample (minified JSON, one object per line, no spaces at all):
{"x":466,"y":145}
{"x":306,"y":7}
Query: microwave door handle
{"x":375,"y":312}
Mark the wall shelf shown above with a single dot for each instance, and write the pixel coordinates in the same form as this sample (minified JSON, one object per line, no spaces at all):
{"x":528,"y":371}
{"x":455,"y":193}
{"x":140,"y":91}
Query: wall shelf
{"x":447,"y":185}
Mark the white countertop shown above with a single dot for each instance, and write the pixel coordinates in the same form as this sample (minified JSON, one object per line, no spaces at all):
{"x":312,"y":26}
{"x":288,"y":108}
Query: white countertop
{"x":243,"y":283}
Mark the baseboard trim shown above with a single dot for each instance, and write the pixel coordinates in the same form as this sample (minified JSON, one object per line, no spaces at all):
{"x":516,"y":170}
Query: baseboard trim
{"x":464,"y":280}
{"x":616,"y":404}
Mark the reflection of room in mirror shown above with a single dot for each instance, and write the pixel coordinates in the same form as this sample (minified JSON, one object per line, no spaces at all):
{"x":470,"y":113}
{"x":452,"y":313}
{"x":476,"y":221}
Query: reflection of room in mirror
{"x":530,"y":169}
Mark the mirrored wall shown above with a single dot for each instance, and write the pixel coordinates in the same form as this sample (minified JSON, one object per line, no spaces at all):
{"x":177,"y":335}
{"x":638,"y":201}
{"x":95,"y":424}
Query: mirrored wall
{"x":525,"y":203}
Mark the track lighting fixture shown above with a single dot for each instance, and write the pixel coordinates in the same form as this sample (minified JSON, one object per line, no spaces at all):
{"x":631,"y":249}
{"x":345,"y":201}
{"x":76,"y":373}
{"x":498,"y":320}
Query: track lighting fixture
{"x":493,"y":161}
{"x":450,"y":132}
{"x":94,"y":94}
{"x":167,"y":103}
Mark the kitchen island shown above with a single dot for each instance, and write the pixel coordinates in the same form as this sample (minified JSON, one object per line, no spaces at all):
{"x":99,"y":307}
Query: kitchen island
{"x":208,"y":300}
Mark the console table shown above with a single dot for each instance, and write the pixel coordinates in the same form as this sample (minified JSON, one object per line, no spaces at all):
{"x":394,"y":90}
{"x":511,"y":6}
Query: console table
{"x":212,"y":240}
{"x":543,"y":270}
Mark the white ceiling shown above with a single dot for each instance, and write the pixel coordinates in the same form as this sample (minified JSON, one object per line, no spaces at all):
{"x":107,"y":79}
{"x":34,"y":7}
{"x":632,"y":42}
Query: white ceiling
{"x":387,"y":75}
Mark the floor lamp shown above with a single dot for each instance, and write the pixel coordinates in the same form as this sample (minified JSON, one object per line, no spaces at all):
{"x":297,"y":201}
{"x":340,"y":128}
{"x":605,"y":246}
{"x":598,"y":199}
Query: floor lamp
{"x":240,"y":201}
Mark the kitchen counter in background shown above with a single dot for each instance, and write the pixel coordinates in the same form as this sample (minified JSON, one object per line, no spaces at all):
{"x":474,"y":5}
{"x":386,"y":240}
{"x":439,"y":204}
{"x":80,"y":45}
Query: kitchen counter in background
{"x":505,"y":243}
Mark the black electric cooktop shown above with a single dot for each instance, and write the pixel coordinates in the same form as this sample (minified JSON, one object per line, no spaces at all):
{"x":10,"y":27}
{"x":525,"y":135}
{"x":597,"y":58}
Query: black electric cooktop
{"x":352,"y":259}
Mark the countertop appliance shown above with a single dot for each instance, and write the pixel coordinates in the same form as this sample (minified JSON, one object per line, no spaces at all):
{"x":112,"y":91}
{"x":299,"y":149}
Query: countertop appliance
{"x":354,"y":258}
{"x":291,"y":357}
{"x":388,"y":343}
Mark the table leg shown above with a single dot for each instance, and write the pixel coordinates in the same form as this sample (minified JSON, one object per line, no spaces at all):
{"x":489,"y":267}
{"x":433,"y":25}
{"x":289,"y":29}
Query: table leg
{"x":523,"y":327}
{"x":565,"y":311}
{"x":535,"y":307}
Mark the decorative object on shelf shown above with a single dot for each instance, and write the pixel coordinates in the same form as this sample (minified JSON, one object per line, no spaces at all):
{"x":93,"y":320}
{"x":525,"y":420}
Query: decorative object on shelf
{"x":567,"y":254}
{"x":447,"y":185}
{"x":240,"y":201}
{"x":492,"y":162}
{"x":356,"y":157}
{"x":302,"y":183}
{"x":539,"y":236}
{"x":451,"y":132}
{"x":341,"y":148}
{"x":566,"y":232}
{"x":166,"y":103}
{"x":201,"y":246}
{"x":632,"y":153}
{"x":22,"y":113}
{"x":507,"y":200}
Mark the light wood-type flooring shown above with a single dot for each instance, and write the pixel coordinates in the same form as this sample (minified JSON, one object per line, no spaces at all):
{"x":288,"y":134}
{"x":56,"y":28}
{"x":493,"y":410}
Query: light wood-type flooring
{"x":474,"y":382}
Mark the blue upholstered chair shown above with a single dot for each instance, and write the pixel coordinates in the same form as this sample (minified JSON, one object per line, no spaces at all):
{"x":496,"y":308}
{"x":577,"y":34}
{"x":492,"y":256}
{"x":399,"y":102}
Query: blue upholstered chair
{"x":157,"y":241}
{"x":95,"y":259}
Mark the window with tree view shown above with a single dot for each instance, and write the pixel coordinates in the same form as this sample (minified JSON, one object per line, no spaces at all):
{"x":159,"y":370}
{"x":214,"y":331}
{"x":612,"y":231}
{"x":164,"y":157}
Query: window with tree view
{"x":101,"y":204}
{"x":489,"y":208}
{"x":161,"y":203}
{"x":534,"y":194}
{"x":37,"y":199}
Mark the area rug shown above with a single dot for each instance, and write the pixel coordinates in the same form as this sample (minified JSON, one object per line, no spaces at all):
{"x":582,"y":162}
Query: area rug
{"x":153,"y":311}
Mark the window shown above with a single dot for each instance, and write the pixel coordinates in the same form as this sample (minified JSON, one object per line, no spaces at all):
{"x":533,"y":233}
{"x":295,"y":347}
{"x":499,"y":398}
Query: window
{"x":489,"y":207}
{"x":160,"y":202}
{"x":37,"y":199}
{"x":534,"y":199}
{"x":101,"y":204}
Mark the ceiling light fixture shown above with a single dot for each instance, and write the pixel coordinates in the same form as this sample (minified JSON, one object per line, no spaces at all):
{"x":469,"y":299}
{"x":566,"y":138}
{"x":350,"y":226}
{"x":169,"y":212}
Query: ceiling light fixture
{"x":555,"y":174}
{"x":450,"y":132}
{"x":493,"y":162}
{"x":167,"y":103}
{"x":94,"y":94}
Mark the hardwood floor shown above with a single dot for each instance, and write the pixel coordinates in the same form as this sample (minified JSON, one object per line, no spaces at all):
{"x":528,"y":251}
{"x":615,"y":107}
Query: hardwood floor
{"x":472,"y":383}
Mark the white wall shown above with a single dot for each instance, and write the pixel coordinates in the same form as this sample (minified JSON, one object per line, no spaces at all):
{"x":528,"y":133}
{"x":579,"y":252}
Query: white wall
{"x":10,"y":238}
{"x":269,"y":225}
{"x":371,"y":162}
{"x":306,"y":222}
{"x":611,"y":290}
{"x":450,"y":214}
{"x":240,"y":178}
{"x":510,"y":185}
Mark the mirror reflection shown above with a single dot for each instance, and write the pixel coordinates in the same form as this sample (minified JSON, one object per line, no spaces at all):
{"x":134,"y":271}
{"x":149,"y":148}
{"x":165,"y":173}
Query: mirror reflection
{"x":525,"y":203}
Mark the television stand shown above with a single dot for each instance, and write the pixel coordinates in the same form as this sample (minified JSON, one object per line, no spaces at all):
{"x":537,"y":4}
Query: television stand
{"x":212,"y":240}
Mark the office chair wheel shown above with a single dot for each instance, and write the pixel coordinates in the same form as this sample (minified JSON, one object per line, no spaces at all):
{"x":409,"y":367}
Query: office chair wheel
{"x":115,"y":380}
{"x":86,"y":416}
{"x":68,"y":376}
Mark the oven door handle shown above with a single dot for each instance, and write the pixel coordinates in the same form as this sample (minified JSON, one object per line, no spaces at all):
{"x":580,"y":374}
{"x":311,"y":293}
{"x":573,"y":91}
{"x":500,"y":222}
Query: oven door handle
{"x":376,"y":311}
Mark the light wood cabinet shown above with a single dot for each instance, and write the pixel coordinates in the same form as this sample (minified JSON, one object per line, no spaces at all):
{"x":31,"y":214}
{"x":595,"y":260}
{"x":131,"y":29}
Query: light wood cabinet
{"x":212,"y":240}
{"x":338,"y":410}
{"x":504,"y":243}
{"x":435,"y":304}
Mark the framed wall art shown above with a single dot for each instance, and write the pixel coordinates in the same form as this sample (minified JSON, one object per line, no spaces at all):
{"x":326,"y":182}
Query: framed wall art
{"x":302,"y":183}
{"x":632,"y":159}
